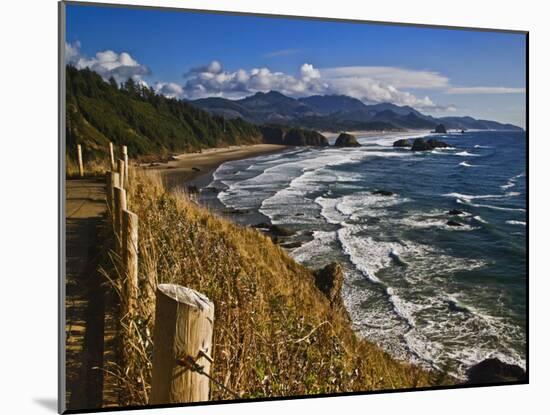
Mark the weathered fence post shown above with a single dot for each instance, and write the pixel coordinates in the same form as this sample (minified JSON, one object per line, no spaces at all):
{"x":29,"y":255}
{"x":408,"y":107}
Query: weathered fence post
{"x":112,"y":156}
{"x":184,"y":322}
{"x":121,"y":172}
{"x":130,"y":258}
{"x":80,"y":163}
{"x":115,"y":182}
{"x":120,"y":206}
{"x":125,"y":158}
{"x":109,"y":189}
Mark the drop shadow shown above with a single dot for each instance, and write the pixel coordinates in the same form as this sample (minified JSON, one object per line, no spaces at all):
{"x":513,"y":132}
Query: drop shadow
{"x":48,"y":403}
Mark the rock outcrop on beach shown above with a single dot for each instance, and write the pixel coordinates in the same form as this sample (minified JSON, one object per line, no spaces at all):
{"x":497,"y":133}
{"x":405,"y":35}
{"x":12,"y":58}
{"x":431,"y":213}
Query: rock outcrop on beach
{"x":403,"y":142}
{"x":346,"y":140}
{"x":273,"y":135}
{"x":274,"y":230}
{"x":329,"y":280}
{"x":292,"y":137}
{"x":440,"y":129}
{"x":494,"y":371}
{"x":422,"y":145}
{"x":301,"y":137}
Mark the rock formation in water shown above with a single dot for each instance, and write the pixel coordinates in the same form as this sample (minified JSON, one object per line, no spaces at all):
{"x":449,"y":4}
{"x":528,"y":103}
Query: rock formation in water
{"x":346,"y":140}
{"x":494,"y":371}
{"x":403,"y":142}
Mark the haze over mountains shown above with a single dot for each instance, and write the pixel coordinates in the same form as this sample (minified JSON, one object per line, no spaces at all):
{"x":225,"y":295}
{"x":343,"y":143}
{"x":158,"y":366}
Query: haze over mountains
{"x":334,"y":113}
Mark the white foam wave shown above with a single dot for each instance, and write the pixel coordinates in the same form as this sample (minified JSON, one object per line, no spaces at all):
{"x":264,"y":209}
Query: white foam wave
{"x":466,"y":154}
{"x":472,"y":197}
{"x":368,"y":255}
{"x":516,"y":222}
{"x":317,"y":251}
{"x":329,"y":210}
{"x":480,"y":219}
{"x":465,"y":164}
{"x":480,"y":146}
{"x":490,"y":206}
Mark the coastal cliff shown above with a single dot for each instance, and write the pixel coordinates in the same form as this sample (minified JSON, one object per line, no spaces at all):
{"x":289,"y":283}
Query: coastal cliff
{"x":280,"y":329}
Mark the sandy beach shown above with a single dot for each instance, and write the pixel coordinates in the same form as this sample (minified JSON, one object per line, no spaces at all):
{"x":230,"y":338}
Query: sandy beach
{"x":196,"y":168}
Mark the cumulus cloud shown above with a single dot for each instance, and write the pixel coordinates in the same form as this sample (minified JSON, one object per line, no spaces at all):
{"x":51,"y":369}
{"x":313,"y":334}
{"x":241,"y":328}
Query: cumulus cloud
{"x":107,"y":63}
{"x":485,"y":90}
{"x":213,"y":80}
{"x":370,"y":84}
{"x":169,"y":89}
{"x":396,"y":77}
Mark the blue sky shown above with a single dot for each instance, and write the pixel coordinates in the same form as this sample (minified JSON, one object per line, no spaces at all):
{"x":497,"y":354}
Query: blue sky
{"x":192,"y":55}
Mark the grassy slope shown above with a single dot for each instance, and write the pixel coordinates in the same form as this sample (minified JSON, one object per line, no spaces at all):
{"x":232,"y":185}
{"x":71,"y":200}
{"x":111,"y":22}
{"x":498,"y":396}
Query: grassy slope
{"x":275,"y":333}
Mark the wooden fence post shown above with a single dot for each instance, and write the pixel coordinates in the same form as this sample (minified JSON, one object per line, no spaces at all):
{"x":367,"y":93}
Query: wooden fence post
{"x":80,"y":163}
{"x":120,"y":206}
{"x":130,"y":258}
{"x":114,"y":182}
{"x":121,"y":170}
{"x":112,"y":156}
{"x":184,"y":322}
{"x":125,"y":158}
{"x":109,"y":189}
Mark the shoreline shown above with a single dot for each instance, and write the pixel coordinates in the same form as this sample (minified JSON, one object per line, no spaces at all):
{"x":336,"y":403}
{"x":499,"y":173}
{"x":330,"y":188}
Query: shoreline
{"x":196,"y":169}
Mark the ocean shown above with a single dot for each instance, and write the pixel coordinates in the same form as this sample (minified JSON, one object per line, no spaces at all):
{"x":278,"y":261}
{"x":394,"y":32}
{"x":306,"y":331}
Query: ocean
{"x":441,"y":296}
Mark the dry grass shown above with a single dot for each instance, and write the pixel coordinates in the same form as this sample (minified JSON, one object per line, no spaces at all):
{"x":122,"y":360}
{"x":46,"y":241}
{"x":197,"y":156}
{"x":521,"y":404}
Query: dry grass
{"x":275,"y":334}
{"x":92,"y":168}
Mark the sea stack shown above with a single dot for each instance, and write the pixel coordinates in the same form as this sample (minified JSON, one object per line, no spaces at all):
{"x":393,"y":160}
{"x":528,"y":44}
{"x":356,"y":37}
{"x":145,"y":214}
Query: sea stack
{"x":346,"y":140}
{"x":421,"y":145}
{"x":403,"y":142}
{"x":440,"y":129}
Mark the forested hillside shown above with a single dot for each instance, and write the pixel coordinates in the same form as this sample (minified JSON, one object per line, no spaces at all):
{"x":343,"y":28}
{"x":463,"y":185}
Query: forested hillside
{"x":134,"y":115}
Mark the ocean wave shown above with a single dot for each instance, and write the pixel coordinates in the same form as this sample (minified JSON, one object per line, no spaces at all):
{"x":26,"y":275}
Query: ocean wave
{"x":466,"y":154}
{"x":329,"y":210}
{"x":317,"y":251}
{"x":512,"y":181}
{"x":363,"y":204}
{"x":420,"y":222}
{"x":465,"y":164}
{"x":516,"y":222}
{"x":480,"y":219}
{"x":480,"y":146}
{"x":508,"y":209}
{"x":367,"y":255}
{"x":472,"y":197}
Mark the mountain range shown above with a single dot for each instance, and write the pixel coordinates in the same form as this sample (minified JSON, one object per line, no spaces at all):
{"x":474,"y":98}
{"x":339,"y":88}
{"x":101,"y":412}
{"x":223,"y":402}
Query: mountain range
{"x":334,"y":113}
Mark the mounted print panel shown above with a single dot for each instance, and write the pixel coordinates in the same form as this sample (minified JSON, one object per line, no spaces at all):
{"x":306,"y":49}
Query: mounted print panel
{"x":260,"y":207}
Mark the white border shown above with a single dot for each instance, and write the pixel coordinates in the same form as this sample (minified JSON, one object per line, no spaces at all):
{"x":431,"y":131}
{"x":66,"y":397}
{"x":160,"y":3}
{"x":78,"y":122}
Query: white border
{"x":28,"y":30}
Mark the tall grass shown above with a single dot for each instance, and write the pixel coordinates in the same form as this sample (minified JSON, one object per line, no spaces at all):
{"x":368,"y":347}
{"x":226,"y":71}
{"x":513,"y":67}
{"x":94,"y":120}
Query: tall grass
{"x":275,"y":333}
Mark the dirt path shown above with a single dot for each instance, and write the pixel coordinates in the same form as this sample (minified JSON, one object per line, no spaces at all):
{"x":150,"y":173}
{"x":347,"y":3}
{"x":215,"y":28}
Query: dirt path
{"x":86,"y":298}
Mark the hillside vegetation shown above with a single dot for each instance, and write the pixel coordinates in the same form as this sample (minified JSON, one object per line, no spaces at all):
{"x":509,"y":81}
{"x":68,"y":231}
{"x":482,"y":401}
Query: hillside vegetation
{"x":275,"y":332}
{"x":135,"y":116}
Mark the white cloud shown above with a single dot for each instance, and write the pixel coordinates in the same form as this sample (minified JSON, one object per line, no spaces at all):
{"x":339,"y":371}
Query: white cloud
{"x":107,"y":63}
{"x":370,"y":84}
{"x":169,"y":89}
{"x":396,"y":77}
{"x":213,"y":80}
{"x":485,"y":90}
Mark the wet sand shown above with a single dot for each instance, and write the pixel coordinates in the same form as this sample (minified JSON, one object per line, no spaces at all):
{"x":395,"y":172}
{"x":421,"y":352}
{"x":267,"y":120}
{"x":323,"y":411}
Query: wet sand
{"x":196,"y":168}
